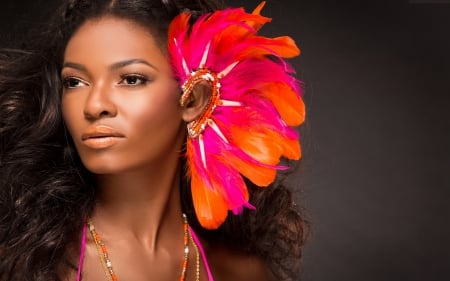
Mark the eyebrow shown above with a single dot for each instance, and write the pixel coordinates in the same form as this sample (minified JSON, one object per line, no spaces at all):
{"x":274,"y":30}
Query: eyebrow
{"x":74,"y":65}
{"x":112,"y":67}
{"x":124,"y":63}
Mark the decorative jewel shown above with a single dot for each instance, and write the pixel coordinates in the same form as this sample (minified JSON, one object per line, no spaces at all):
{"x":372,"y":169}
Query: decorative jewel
{"x":196,"y":127}
{"x":107,"y":264}
{"x":247,"y":125}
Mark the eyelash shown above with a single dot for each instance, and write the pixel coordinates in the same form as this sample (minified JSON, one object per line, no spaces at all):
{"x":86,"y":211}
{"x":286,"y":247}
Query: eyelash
{"x":66,"y":82}
{"x":140,"y":79}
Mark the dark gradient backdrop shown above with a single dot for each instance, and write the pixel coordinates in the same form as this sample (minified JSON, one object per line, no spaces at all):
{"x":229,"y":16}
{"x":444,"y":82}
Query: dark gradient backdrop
{"x":375,"y":176}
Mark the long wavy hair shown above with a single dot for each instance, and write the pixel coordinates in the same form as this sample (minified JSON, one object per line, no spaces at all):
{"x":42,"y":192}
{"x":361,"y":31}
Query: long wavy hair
{"x":45,"y":192}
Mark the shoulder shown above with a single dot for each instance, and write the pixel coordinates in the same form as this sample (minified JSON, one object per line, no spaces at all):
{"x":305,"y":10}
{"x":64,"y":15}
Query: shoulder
{"x":227,"y":264}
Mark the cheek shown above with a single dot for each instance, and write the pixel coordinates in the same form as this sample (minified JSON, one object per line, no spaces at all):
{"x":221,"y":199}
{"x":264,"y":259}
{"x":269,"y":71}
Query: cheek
{"x":70,"y":108}
{"x":157,"y":116}
{"x":161,"y":111}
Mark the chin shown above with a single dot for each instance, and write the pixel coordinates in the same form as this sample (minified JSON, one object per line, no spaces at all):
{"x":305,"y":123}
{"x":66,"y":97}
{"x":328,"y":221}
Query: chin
{"x":103,"y":169}
{"x":105,"y":166}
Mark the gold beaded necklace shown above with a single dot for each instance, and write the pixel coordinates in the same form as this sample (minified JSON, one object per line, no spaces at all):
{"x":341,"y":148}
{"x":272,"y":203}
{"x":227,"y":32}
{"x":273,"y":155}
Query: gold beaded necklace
{"x":107,"y":264}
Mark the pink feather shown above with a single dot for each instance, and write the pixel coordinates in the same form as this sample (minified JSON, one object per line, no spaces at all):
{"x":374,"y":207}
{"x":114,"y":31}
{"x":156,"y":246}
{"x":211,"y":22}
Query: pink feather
{"x":255,"y":133}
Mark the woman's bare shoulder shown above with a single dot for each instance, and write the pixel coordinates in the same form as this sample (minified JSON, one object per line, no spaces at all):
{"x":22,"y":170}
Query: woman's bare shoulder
{"x":227,"y":264}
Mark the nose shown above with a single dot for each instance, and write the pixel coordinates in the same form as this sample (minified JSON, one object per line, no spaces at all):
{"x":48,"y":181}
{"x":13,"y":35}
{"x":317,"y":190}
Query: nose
{"x":99,"y":104}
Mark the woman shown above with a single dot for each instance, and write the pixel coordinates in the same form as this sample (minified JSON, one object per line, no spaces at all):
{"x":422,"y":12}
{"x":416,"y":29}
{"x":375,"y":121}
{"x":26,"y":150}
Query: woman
{"x":95,"y":185}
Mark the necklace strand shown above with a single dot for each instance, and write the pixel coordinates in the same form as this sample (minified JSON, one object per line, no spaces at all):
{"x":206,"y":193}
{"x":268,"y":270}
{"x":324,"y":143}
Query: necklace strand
{"x":104,"y":256}
{"x":107,"y":264}
{"x":197,"y":259}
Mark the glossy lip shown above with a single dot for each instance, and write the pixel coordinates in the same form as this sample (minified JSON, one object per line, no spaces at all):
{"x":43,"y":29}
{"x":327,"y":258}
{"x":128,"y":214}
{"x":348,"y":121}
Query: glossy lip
{"x":101,"y":136}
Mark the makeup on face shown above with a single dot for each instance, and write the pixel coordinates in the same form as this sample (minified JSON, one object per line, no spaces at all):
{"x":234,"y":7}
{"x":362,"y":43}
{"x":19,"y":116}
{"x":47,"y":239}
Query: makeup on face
{"x":120,"y":100}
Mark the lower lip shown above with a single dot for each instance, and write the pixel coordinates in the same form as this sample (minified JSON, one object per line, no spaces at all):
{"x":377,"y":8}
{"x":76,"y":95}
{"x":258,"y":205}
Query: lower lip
{"x":103,"y":142}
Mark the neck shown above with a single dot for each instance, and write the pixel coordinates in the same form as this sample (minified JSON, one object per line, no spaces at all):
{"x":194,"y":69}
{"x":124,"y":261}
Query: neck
{"x":142,"y":205}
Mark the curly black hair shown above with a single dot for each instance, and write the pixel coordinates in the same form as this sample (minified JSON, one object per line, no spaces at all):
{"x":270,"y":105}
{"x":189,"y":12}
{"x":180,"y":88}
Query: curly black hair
{"x":45,"y":192}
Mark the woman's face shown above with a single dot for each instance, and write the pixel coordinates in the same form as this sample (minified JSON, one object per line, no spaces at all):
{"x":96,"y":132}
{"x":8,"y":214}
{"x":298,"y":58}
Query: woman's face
{"x":120,"y":100}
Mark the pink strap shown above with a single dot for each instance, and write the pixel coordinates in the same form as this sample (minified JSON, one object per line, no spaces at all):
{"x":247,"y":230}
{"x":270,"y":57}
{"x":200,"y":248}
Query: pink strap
{"x":82,"y":252}
{"x":202,"y":253}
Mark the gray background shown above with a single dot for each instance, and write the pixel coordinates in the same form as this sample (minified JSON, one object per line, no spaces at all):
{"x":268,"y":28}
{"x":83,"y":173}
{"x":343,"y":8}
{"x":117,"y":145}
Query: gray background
{"x":375,"y":177}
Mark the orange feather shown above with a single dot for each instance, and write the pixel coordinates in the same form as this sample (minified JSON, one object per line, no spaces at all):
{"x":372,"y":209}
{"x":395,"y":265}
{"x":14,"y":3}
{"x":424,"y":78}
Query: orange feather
{"x":259,"y":175}
{"x":286,"y":101}
{"x":257,"y":11}
{"x":210,"y":207}
{"x":259,"y":145}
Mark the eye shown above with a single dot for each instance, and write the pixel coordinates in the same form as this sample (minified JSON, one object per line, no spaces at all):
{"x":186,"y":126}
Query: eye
{"x":133,"y":80}
{"x":73,"y":82}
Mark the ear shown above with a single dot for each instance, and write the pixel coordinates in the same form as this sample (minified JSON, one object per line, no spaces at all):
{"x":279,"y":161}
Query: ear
{"x":197,"y":101}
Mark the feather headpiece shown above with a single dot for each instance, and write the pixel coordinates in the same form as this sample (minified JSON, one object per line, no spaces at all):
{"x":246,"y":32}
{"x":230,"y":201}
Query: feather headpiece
{"x":247,"y":125}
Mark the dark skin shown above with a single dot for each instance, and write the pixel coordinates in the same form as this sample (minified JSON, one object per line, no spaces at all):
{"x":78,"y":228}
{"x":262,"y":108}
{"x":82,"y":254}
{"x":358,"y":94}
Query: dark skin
{"x":121,"y":107}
